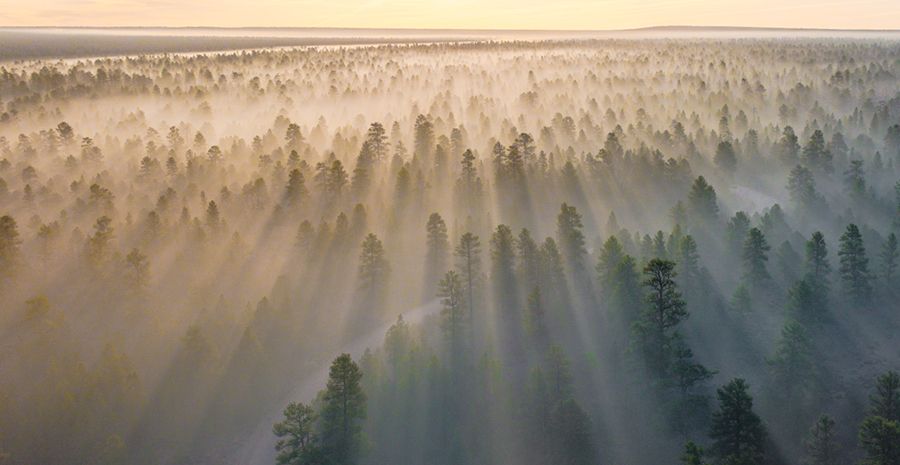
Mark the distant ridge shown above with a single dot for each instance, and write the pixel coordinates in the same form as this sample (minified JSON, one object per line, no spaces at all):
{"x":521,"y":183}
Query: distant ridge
{"x":25,"y":43}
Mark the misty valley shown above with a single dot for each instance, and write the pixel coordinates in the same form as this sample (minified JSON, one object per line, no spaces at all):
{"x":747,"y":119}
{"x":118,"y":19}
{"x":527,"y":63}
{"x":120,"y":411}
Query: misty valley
{"x":524,"y":251}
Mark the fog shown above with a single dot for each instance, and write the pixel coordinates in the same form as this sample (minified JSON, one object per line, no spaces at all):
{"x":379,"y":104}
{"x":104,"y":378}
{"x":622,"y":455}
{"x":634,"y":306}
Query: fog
{"x":535,"y":249}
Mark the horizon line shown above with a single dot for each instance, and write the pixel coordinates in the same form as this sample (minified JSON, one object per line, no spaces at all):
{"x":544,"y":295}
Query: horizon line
{"x":671,"y":27}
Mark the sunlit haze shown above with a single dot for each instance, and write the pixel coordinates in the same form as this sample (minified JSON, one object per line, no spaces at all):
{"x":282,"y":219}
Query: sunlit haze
{"x":466,"y":14}
{"x":449,"y":232}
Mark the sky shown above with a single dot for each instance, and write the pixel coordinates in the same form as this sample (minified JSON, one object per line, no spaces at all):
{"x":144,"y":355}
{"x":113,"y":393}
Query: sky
{"x":456,"y":14}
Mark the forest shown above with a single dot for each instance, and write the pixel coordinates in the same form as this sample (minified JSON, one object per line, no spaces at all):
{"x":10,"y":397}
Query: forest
{"x":537,"y":252}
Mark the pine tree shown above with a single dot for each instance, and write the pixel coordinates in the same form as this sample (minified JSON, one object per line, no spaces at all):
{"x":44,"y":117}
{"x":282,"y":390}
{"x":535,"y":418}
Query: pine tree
{"x":805,"y":304}
{"x":880,"y":439}
{"x":437,"y":249}
{"x":791,"y":365}
{"x":702,"y":202}
{"x":572,"y":433}
{"x":213,"y":217}
{"x":625,"y":298}
{"x":528,"y":260}
{"x":821,"y":446}
{"x":344,"y":407}
{"x":725,"y":158}
{"x":854,"y":267}
{"x":374,"y":270}
{"x":815,"y":154}
{"x":377,"y":140}
{"x":692,"y":455}
{"x":689,"y":265}
{"x":362,"y":176}
{"x":896,"y":222}
{"x":99,"y":243}
{"x":298,"y":443}
{"x":293,"y":137}
{"x":886,"y":401}
{"x":754,"y":260}
{"x":10,"y":251}
{"x":736,"y":232}
{"x":788,"y":148}
{"x":664,"y":311}
{"x":535,"y":319}
{"x":817,"y":266}
{"x":296,"y":188}
{"x":879,"y":433}
{"x":889,"y":256}
{"x":553,"y":275}
{"x":559,"y":374}
{"x":453,"y":313}
{"x":611,"y":255}
{"x":737,"y":432}
{"x":503,"y":267}
{"x":424,"y":138}
{"x":802,"y":187}
{"x":468,"y":265}
{"x":138,"y":271}
{"x":571,"y":238}
{"x":855,"y":181}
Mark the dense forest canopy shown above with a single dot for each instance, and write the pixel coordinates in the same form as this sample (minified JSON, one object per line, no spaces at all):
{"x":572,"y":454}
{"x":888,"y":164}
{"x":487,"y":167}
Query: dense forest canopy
{"x":509,"y":252}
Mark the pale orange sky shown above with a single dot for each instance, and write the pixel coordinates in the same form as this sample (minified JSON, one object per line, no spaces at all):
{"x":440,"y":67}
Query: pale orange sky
{"x":488,"y":14}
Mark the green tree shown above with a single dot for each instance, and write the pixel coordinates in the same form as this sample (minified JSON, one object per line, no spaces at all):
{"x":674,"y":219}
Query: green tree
{"x":692,"y":455}
{"x":880,"y":439}
{"x":755,"y":256}
{"x":529,"y":260}
{"x":802,"y":187}
{"x":886,"y":401}
{"x":725,"y":158}
{"x":559,"y":372}
{"x":889,"y":255}
{"x":424,"y":138}
{"x":736,"y":231}
{"x":296,"y":188}
{"x":702,"y":203}
{"x":896,"y":222}
{"x":788,"y":147}
{"x":453,"y":314}
{"x":817,"y":266}
{"x":815,"y":154}
{"x":503,"y":267}
{"x":625,"y":298}
{"x":611,"y":255}
{"x":664,"y":311}
{"x":437,"y":249}
{"x":737,"y":432}
{"x":374,"y":270}
{"x":792,"y":366}
{"x":10,"y":251}
{"x":293,"y":137}
{"x":343,"y":409}
{"x":855,"y":180}
{"x":854,"y":267}
{"x":298,"y":443}
{"x":468,"y":265}
{"x":572,"y":434}
{"x":138,"y":270}
{"x":688,"y":268}
{"x":804,"y":303}
{"x":377,"y":139}
{"x":535,"y":318}
{"x":571,"y":238}
{"x":99,"y":243}
{"x":821,"y":446}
